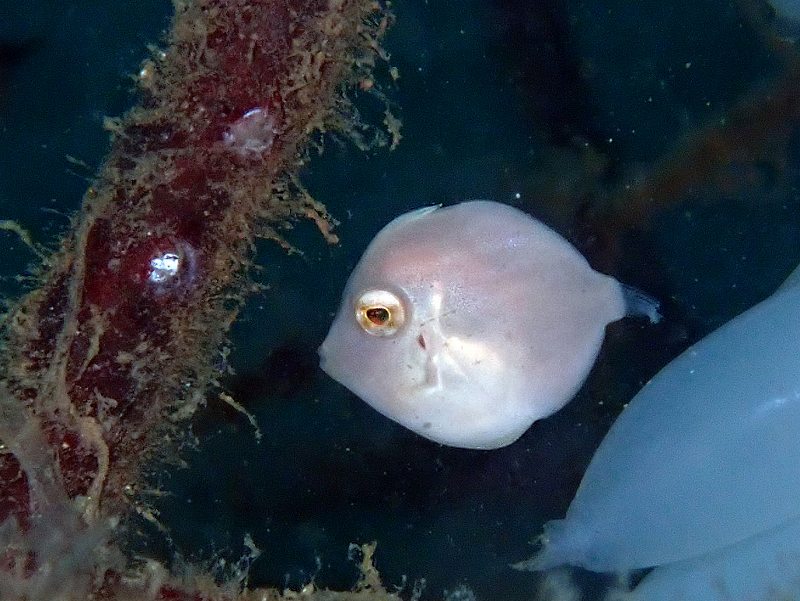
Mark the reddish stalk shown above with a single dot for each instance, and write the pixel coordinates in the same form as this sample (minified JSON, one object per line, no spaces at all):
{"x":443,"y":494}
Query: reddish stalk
{"x":106,"y":360}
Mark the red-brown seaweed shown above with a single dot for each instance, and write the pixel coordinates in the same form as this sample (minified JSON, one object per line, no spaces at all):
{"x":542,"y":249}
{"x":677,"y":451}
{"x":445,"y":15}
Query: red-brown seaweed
{"x":104,"y":362}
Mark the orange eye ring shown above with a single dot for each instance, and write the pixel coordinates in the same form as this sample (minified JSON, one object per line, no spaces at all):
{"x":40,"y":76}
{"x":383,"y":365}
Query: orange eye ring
{"x":379,"y":312}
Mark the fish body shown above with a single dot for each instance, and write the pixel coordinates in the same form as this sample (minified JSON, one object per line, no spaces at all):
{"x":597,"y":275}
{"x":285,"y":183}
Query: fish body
{"x":703,"y":458}
{"x":466,"y":324}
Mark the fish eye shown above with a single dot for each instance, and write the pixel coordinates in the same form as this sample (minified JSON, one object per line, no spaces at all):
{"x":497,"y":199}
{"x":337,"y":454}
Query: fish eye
{"x":379,"y":312}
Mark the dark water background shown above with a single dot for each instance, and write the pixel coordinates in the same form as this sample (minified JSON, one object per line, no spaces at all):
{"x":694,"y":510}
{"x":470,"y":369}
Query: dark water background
{"x":512,"y":100}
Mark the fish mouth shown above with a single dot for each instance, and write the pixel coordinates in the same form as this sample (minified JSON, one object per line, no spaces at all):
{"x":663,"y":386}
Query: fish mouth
{"x":322,"y":351}
{"x":322,"y":356}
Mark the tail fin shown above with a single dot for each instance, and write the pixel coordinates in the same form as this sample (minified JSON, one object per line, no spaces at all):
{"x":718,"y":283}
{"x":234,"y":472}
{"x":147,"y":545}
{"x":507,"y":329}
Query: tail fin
{"x":639,"y":304}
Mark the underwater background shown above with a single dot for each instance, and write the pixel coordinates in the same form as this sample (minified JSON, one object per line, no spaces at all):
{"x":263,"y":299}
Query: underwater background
{"x":556,"y":107}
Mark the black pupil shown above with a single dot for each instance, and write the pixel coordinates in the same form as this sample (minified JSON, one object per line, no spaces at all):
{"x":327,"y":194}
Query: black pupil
{"x":378,"y":315}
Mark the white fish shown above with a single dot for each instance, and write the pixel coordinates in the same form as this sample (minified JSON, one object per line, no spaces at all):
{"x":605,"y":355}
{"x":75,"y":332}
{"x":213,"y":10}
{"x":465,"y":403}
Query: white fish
{"x":790,"y":9}
{"x":700,"y":473}
{"x":468,"y":323}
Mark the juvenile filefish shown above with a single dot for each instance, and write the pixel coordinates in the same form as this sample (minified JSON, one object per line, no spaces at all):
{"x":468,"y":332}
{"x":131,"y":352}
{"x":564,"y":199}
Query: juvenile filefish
{"x":466,"y":324}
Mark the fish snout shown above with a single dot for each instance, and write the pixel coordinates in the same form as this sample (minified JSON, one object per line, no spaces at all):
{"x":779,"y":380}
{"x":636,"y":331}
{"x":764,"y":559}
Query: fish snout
{"x":323,"y":353}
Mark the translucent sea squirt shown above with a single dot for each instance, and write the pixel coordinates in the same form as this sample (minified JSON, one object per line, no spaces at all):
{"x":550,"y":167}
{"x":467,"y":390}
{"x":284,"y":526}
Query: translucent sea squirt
{"x":700,"y":472}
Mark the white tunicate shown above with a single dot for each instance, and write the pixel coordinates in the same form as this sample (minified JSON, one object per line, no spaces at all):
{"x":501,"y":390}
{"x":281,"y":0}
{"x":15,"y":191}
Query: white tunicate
{"x":762,"y":568}
{"x":703,"y":458}
{"x":164,"y":267}
{"x":252,"y":134}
